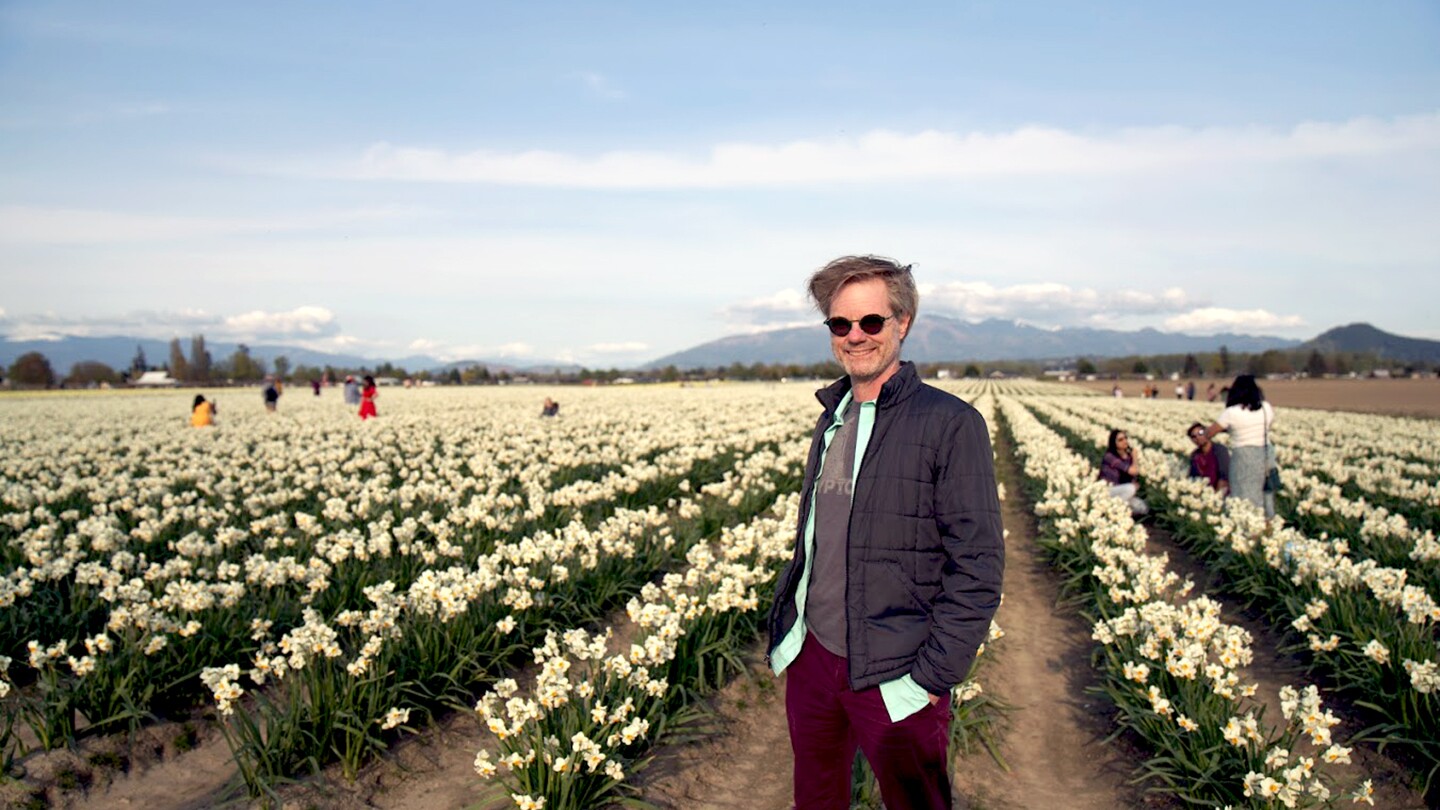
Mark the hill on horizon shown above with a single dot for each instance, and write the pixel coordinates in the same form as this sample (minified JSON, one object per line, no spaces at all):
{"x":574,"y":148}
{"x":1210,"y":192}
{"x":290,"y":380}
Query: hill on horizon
{"x":938,"y":339}
{"x":1362,"y":338}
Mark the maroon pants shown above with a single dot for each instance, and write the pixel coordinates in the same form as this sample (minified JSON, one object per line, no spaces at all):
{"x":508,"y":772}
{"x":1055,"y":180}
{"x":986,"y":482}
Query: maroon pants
{"x":828,"y":721}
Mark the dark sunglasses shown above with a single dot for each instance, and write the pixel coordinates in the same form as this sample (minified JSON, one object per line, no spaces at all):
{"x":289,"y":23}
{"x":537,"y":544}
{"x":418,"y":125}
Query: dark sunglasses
{"x":870,"y":324}
{"x":1195,"y":434}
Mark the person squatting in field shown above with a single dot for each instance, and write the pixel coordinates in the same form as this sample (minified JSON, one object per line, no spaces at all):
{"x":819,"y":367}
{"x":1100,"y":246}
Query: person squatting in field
{"x":1119,"y":467}
{"x":1209,"y":460}
{"x":202,"y":412}
{"x":898,"y":557}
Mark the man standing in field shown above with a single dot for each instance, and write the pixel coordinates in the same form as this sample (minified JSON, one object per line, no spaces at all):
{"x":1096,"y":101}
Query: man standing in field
{"x":898,"y":556}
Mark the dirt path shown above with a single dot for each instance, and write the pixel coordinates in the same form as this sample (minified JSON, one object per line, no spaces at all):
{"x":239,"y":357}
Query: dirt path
{"x":1052,"y":738}
{"x":153,"y":770}
{"x":199,"y":779}
{"x":744,"y":765}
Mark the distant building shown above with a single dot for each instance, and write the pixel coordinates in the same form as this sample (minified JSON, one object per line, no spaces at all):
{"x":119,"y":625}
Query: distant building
{"x":155,"y":379}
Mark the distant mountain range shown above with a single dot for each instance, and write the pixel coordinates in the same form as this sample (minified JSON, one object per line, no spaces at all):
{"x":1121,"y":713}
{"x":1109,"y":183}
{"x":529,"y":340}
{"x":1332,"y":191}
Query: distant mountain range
{"x":118,"y":352}
{"x":935,"y":339}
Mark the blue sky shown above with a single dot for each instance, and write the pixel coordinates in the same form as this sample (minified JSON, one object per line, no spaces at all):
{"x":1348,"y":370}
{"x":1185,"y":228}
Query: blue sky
{"x":608,"y":183}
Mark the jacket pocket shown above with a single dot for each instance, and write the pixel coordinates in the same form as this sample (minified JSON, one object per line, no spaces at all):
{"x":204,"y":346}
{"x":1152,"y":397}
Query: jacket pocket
{"x":908,"y":587}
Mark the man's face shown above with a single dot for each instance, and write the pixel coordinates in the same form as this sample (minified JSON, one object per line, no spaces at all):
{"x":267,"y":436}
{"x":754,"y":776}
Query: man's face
{"x":1198,"y":436}
{"x":867,"y":358}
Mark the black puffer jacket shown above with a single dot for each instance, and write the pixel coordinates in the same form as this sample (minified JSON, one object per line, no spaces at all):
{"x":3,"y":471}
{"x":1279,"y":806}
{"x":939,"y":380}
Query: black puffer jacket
{"x":925,"y":555}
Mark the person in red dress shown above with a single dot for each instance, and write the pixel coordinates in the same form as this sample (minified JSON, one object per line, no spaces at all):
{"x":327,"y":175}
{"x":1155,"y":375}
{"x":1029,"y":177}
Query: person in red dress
{"x":367,"y":398}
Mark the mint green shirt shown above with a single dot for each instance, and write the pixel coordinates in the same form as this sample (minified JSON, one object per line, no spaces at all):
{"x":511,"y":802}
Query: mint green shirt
{"x":903,"y":696}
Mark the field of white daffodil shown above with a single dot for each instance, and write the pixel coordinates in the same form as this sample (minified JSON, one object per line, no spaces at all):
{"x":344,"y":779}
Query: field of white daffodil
{"x":321,"y":587}
{"x":331,"y":583}
{"x":1347,"y":574}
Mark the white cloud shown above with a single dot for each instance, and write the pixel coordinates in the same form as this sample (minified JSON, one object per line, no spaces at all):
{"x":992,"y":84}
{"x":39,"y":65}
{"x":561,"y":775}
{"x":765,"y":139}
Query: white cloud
{"x":34,"y":332}
{"x":147,"y":324}
{"x":309,"y":326}
{"x":302,"y":321}
{"x":620,"y":352}
{"x":454,"y":352}
{"x":522,"y":353}
{"x":1048,"y":303}
{"x":1217,"y":319}
{"x":631,"y":347}
{"x":516,"y":349}
{"x":779,"y":310}
{"x":884,"y":156}
{"x":346,"y":342}
{"x":1044,"y":304}
{"x":451,"y":353}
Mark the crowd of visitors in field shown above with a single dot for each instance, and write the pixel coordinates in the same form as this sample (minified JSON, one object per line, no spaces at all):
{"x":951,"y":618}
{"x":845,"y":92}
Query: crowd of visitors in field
{"x":360,"y":394}
{"x":1245,"y":468}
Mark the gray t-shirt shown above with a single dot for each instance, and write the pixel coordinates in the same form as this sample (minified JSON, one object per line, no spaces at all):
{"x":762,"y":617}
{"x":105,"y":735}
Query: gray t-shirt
{"x":834,"y":488}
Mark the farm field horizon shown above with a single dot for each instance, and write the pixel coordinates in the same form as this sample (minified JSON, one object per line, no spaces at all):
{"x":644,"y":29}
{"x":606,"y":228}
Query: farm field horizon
{"x":305,"y":591}
{"x":1394,"y":397}
{"x":1418,"y":397}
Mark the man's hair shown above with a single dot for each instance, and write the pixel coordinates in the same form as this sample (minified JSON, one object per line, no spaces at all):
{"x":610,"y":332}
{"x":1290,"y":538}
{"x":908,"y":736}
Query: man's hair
{"x":1191,"y":429}
{"x":827,"y":281}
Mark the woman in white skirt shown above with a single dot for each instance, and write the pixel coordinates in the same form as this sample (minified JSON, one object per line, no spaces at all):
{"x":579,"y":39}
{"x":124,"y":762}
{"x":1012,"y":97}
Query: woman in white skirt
{"x":1248,"y":417}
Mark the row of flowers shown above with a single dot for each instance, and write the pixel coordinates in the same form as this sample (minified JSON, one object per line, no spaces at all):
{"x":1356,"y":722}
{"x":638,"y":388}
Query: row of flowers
{"x":1361,"y":625}
{"x":373,"y":619}
{"x":593,"y":711}
{"x":1170,"y":664}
